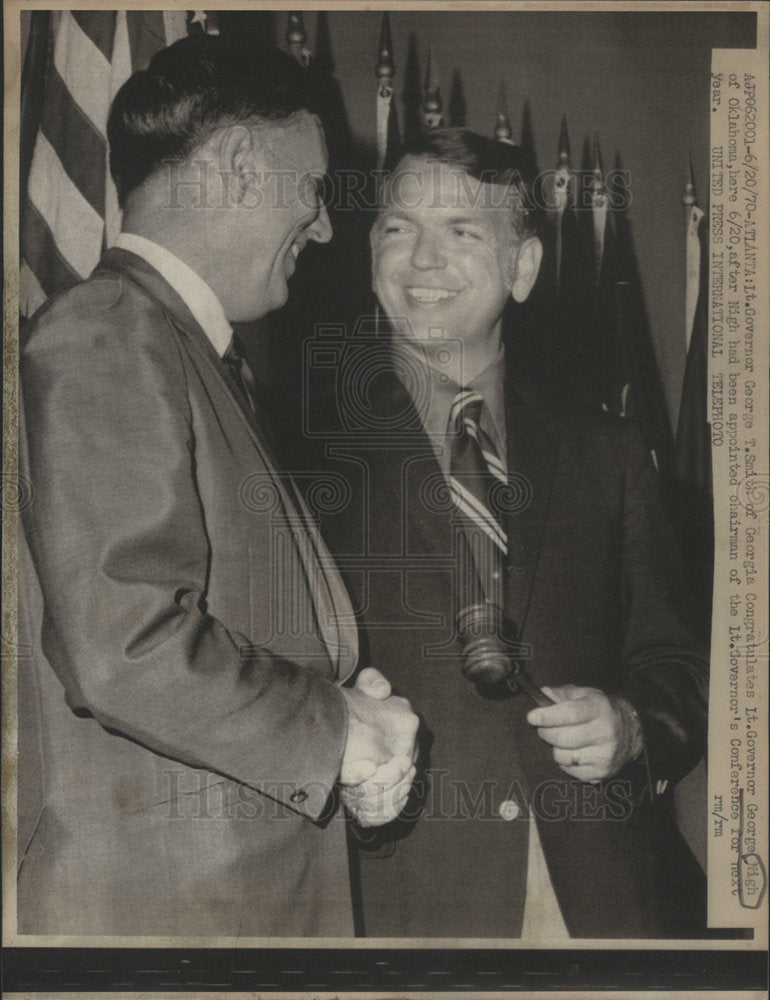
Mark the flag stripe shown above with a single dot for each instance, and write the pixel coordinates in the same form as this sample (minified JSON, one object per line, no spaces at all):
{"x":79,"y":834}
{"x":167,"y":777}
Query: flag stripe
{"x":76,"y":142}
{"x":36,"y":65}
{"x":120,"y":71}
{"x":69,"y":205}
{"x":31,"y":295}
{"x":99,"y":25}
{"x":84,"y":71}
{"x":75,"y":226}
{"x":42,"y":255}
{"x":146,"y":35}
{"x":174,"y":27}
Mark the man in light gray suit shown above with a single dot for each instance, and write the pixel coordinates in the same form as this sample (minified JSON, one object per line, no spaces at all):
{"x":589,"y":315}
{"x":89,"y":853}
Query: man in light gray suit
{"x":180,"y":764}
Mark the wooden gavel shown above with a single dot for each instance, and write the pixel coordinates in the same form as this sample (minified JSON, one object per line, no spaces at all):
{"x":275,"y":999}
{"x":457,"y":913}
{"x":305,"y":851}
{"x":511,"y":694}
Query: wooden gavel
{"x":485,"y":659}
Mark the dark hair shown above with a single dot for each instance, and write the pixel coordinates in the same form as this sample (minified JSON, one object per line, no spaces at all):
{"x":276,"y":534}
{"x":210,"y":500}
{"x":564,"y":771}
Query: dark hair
{"x":188,"y":91}
{"x":487,"y":160}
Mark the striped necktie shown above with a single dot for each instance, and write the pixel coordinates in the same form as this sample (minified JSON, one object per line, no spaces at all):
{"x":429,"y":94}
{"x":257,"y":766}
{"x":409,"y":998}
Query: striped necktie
{"x":475,"y":477}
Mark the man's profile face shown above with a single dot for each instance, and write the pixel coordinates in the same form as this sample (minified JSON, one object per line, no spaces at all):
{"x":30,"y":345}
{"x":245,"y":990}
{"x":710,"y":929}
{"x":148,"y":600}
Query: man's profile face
{"x":280,"y":212}
{"x":444,"y":254}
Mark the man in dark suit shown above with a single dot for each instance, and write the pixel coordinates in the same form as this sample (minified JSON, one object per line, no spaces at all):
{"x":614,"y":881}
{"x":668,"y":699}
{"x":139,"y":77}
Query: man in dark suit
{"x":178,"y":763}
{"x":538,"y":822}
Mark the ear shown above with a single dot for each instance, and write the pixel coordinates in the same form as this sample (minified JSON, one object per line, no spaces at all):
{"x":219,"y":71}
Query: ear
{"x":237,"y":159}
{"x":525,"y":267}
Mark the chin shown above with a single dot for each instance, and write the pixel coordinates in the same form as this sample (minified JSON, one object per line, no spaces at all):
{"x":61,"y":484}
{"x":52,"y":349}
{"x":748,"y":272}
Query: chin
{"x":427,"y":336}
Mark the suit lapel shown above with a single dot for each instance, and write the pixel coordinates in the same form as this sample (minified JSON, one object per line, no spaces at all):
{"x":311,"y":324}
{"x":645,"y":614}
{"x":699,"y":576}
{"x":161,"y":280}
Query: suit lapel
{"x":532,"y":450}
{"x":403,"y":474}
{"x":334,"y":613}
{"x":143,"y":274}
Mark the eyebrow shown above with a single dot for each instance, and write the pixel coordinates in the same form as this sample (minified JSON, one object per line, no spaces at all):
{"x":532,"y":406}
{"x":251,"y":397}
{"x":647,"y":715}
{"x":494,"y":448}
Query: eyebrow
{"x":465,"y":220}
{"x":455,"y":220}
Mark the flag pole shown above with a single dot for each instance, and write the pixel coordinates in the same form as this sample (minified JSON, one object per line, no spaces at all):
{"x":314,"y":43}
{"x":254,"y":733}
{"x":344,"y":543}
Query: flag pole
{"x":431,"y":105}
{"x":384,"y":70}
{"x":562,"y":185}
{"x":503,"y":130}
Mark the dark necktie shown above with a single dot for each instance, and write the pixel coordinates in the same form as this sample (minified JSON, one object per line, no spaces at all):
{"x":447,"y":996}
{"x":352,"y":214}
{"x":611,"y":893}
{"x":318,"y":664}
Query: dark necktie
{"x":242,"y":374}
{"x":257,"y":398}
{"x":476,"y":476}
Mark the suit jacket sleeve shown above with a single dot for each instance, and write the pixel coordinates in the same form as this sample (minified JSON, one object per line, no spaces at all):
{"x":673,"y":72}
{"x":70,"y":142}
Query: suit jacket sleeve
{"x":119,"y":540}
{"x":666,"y":670}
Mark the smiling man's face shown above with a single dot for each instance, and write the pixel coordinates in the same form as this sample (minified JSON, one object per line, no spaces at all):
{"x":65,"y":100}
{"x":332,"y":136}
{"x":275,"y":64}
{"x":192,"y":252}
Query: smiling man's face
{"x":445,"y":256}
{"x":283,"y":166}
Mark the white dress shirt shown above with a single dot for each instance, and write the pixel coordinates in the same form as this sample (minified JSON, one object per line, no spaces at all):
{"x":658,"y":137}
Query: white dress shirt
{"x":189,"y":286}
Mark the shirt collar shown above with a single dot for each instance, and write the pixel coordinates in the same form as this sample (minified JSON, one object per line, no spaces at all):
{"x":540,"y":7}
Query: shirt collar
{"x":433,"y":393}
{"x":190,"y":287}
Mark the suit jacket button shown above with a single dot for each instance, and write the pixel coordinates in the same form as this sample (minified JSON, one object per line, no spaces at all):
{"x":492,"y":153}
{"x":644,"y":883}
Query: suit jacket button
{"x":508,"y":809}
{"x":299,"y":796}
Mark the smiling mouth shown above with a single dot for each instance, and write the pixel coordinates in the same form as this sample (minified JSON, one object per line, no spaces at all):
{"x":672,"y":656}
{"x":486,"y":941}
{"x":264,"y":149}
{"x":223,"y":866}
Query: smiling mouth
{"x":430,"y":296}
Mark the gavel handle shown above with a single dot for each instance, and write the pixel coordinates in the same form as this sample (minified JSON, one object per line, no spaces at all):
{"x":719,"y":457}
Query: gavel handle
{"x":519,"y":679}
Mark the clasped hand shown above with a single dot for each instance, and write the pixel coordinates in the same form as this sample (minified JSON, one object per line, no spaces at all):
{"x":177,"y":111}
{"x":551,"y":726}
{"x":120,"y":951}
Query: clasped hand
{"x":587,"y":730}
{"x":378,"y":765}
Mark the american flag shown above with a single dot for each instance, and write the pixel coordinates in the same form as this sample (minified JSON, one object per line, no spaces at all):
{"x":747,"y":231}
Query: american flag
{"x":75,"y":63}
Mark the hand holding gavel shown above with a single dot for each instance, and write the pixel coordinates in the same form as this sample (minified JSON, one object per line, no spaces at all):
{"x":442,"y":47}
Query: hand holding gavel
{"x":485,"y":659}
{"x":592,"y":735}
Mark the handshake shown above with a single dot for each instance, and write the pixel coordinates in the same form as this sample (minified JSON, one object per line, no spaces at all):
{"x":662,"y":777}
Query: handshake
{"x":378,"y":765}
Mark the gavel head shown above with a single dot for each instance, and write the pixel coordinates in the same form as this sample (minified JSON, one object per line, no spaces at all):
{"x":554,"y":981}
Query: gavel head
{"x":485,"y":660}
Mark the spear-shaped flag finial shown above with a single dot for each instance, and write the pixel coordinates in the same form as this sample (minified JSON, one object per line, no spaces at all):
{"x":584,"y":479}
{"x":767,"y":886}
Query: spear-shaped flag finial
{"x":562,"y":175}
{"x":562,"y":189}
{"x":296,"y":38}
{"x":203,"y":21}
{"x":385,"y":69}
{"x":599,"y":203}
{"x":503,"y":131}
{"x":431,"y":105}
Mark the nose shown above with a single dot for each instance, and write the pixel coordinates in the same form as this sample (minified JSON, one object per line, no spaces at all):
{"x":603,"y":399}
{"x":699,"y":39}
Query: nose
{"x":427,"y":253}
{"x":321,"y":229}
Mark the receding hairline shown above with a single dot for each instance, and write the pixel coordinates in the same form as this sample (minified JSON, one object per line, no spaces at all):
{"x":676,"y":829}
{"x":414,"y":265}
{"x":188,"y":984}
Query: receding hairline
{"x":510,"y":197}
